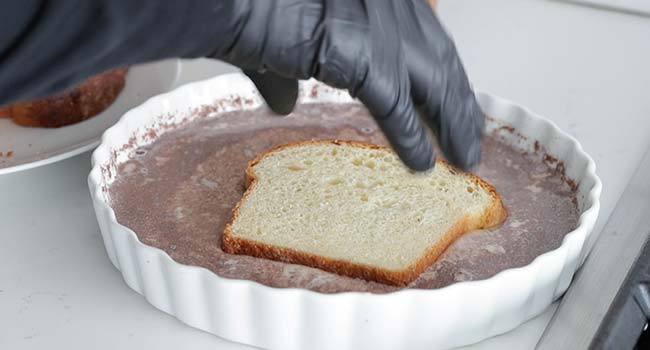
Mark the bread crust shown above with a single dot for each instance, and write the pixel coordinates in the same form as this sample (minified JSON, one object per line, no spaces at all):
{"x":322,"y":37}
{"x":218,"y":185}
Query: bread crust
{"x":494,"y":215}
{"x":5,"y":112}
{"x":89,"y":98}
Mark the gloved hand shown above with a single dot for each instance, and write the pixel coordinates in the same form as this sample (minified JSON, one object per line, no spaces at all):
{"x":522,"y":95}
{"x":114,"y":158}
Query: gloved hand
{"x":392,"y":55}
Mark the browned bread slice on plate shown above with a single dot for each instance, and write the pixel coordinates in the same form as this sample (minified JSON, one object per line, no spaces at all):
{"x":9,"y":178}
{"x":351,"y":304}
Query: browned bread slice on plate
{"x":5,"y":112}
{"x":85,"y":100}
{"x":354,"y":209}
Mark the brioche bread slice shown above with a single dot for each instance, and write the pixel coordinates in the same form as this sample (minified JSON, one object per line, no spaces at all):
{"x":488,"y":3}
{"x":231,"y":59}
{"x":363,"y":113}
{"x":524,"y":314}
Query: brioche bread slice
{"x":5,"y":112}
{"x":85,"y":100}
{"x":352,"y":208}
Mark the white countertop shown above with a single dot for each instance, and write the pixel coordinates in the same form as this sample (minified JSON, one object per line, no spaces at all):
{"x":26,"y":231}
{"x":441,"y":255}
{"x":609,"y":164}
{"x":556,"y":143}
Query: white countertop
{"x":585,"y":69}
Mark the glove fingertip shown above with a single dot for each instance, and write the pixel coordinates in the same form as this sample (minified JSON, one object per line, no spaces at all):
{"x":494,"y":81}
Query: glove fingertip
{"x":422,"y":157}
{"x":464,"y":135}
{"x":280,"y":93}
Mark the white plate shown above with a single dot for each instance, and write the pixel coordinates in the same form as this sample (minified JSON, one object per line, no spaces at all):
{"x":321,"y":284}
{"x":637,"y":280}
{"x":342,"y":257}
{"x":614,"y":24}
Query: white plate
{"x":34,"y":147}
{"x":290,"y":318}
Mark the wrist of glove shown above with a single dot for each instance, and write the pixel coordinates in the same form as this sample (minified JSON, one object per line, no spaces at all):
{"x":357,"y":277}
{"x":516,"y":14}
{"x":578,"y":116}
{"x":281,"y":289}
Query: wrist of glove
{"x":392,"y":55}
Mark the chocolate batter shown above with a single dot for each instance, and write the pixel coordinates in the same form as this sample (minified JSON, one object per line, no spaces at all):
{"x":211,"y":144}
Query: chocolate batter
{"x":177,"y":194}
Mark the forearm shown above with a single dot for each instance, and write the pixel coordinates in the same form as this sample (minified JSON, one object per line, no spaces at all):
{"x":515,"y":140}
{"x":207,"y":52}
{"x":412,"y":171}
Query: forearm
{"x":48,"y":46}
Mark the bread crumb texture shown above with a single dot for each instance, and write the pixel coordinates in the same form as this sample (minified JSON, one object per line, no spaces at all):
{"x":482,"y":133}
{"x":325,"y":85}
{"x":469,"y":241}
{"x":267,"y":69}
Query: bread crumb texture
{"x":354,"y":209}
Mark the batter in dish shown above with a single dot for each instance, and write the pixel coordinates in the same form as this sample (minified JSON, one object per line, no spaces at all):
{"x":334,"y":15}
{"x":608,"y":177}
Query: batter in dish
{"x":177,"y":194}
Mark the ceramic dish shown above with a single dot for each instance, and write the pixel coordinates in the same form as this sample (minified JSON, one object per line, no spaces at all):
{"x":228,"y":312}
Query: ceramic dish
{"x":291,"y":318}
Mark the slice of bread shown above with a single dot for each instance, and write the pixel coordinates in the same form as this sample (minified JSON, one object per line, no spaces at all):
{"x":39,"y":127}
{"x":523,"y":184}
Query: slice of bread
{"x":354,"y":209}
{"x":89,"y":98}
{"x":5,"y":112}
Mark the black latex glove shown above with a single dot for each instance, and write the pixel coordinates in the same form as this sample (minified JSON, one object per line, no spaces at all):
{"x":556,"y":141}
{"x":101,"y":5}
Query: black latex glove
{"x":392,"y":55}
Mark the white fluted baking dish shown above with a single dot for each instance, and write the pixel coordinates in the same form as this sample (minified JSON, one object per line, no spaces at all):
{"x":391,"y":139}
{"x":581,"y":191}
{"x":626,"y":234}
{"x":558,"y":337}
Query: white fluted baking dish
{"x":288,"y":318}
